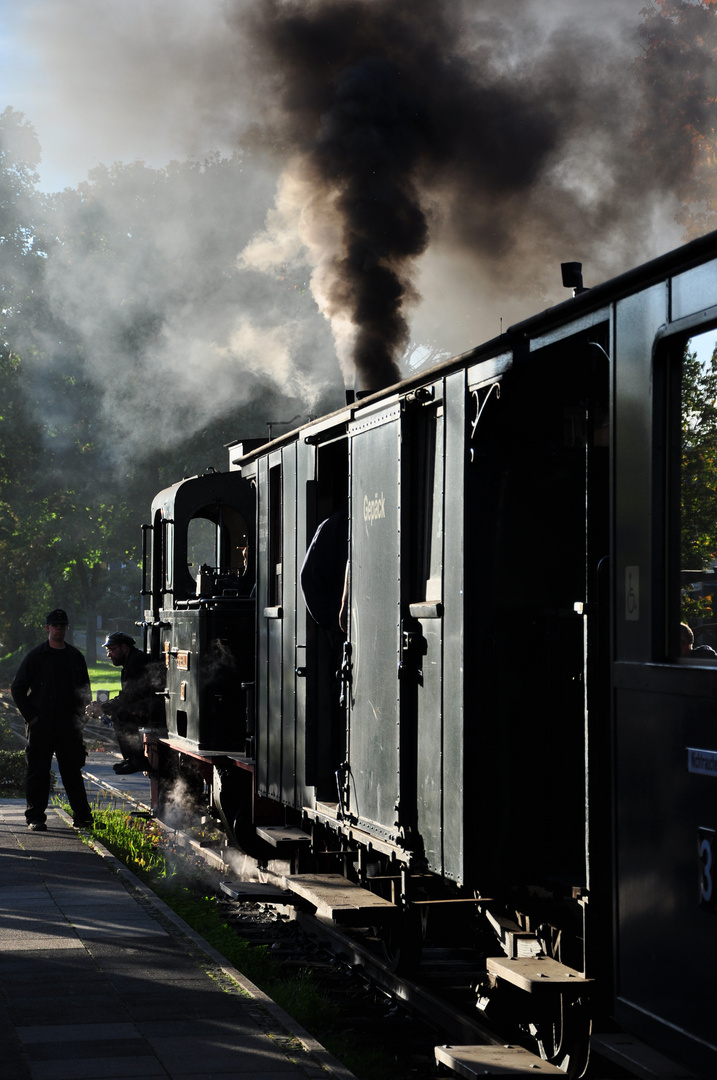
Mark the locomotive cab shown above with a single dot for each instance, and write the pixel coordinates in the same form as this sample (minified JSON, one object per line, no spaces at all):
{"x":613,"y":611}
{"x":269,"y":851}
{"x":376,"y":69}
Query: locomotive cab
{"x":200,"y":567}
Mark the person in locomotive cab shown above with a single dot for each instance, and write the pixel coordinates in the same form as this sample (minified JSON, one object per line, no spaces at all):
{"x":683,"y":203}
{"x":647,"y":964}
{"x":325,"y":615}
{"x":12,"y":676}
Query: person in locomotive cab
{"x":135,"y":705}
{"x":51,"y":689}
{"x":687,"y":645}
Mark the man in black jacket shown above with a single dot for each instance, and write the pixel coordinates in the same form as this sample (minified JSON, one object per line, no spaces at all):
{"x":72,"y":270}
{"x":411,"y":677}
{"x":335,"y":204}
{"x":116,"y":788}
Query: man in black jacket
{"x":136,"y":704}
{"x":51,"y":690}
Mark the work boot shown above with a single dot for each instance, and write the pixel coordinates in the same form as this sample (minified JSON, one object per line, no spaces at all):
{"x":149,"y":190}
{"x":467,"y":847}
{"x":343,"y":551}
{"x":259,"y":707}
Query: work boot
{"x":138,"y":765}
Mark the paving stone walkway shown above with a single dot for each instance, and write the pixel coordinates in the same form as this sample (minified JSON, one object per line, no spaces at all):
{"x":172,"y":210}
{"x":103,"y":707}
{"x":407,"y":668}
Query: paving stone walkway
{"x":99,"y":979}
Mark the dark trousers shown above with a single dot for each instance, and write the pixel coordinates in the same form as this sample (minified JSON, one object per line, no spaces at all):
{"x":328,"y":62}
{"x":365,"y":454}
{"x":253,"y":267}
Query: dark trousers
{"x":130,"y":741}
{"x":69,"y":749}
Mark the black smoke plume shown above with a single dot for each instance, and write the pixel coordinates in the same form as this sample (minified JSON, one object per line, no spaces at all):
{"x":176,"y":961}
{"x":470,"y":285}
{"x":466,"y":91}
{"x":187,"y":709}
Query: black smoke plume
{"x":408,"y":120}
{"x":436,"y":163}
{"x":379,"y":99}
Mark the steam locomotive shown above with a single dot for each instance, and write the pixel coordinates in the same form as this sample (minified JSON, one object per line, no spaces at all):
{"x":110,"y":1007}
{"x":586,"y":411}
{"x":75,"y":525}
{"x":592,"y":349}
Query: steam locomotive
{"x":432,"y":641}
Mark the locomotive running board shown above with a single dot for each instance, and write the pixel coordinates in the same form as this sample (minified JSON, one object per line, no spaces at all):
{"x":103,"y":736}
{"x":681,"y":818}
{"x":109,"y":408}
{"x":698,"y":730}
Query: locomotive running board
{"x":257,"y":892}
{"x":475,"y":1061}
{"x":537,"y":974}
{"x":341,"y":901}
{"x":283,"y":836}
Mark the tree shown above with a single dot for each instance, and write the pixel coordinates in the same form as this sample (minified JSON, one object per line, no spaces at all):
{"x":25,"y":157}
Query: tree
{"x":19,"y":203}
{"x":57,"y":531}
{"x":128,"y":375}
{"x":677,"y":127}
{"x":698,"y":475}
{"x":22,"y":260}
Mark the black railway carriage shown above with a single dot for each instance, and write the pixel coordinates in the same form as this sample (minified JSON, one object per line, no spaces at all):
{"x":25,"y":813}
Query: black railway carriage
{"x":507,"y":713}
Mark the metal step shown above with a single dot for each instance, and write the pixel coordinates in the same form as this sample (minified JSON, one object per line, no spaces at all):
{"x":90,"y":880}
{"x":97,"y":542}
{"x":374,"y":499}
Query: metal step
{"x":283,"y":836}
{"x":342,"y":901}
{"x":515,"y":940}
{"x":482,"y":1061}
{"x":638,"y":1058}
{"x":257,"y":892}
{"x":537,"y":974}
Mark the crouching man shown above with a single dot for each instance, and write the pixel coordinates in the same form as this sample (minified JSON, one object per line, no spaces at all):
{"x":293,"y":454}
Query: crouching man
{"x":136,"y":704}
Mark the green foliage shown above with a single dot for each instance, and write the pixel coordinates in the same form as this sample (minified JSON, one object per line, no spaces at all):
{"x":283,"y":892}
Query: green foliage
{"x":298,"y":994}
{"x":137,"y":841}
{"x":12,"y":758}
{"x":203,"y":915}
{"x":104,"y":676}
{"x":141,"y":845}
{"x":698,"y":476}
{"x":12,"y":770}
{"x":9,"y":665}
{"x":65,"y":513}
{"x":22,"y":260}
{"x":699,"y":459}
{"x":8,"y":740}
{"x":677,"y":127}
{"x":114,"y":297}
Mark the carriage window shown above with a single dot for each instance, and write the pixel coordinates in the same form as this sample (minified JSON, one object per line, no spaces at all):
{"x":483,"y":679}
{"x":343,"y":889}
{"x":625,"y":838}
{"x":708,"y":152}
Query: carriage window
{"x":275,"y":537}
{"x":697,"y":540}
{"x":429,"y":465}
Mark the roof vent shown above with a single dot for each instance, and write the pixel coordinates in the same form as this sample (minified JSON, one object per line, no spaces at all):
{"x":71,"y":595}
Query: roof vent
{"x":573,"y":277}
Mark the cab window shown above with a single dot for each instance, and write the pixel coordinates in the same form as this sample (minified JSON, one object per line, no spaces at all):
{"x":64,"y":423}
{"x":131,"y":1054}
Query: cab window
{"x":218,"y":550}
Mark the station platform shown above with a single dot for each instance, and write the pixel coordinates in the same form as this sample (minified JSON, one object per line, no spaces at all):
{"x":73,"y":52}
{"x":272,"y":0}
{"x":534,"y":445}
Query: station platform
{"x":100,"y":979}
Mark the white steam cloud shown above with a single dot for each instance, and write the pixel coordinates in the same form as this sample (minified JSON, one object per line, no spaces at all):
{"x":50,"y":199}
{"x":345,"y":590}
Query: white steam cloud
{"x":305,"y":226}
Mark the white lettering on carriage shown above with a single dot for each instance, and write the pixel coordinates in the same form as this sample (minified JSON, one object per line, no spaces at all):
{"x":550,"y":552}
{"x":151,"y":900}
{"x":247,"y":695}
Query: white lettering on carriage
{"x":374,"y":508}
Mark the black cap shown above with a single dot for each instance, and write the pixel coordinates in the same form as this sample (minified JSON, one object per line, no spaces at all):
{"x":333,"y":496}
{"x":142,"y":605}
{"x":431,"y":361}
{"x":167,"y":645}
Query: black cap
{"x":118,"y":638}
{"x":54,"y":618}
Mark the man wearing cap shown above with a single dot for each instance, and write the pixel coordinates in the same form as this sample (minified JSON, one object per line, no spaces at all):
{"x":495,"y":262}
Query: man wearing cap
{"x":51,"y":690}
{"x":134,"y":707}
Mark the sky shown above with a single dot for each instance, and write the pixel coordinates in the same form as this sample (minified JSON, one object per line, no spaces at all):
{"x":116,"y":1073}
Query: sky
{"x":505,"y":143}
{"x":118,"y":80}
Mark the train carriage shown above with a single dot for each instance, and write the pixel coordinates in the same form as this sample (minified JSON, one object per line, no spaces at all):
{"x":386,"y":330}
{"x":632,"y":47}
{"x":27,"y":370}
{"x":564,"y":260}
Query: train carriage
{"x":439,"y":630}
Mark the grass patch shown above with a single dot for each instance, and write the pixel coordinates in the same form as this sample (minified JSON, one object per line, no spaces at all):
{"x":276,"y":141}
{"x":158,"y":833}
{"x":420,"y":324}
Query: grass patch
{"x":105,"y":676}
{"x":136,"y":841}
{"x":141,"y":845}
{"x":299,"y":993}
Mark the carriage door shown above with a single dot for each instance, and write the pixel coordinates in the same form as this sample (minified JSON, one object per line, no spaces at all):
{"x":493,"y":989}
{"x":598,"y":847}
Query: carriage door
{"x":371,"y":785}
{"x":425,"y":628}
